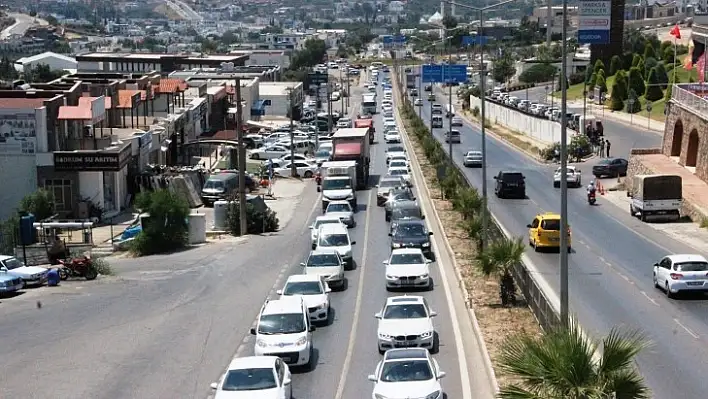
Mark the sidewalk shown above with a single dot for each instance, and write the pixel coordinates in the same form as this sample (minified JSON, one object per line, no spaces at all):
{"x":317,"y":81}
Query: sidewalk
{"x":637,"y":121}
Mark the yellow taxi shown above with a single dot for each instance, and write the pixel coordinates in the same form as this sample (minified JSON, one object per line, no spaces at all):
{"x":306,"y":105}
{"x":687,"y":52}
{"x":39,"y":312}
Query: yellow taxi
{"x":544,"y":231}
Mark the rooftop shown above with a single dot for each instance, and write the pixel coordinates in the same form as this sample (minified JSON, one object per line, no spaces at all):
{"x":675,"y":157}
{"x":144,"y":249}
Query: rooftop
{"x":285,"y":305}
{"x":276,"y":88}
{"x":42,"y":56}
{"x":160,"y":56}
{"x":21,"y":103}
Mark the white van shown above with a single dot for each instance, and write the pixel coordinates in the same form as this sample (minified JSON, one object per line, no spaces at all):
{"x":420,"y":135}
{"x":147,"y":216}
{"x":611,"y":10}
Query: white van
{"x":335,"y":237}
{"x":449,"y":110}
{"x":437,"y":121}
{"x":284,"y":329}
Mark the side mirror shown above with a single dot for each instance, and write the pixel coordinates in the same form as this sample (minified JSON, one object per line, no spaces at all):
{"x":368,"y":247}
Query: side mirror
{"x":390,"y":234}
{"x":319,"y":189}
{"x":378,"y":315}
{"x":529,"y":226}
{"x":352,"y":243}
{"x":422,"y":217}
{"x":629,"y":194}
{"x":303,"y":264}
{"x":433,"y":314}
{"x":385,"y":262}
{"x":253,"y":331}
{"x":314,"y":246}
{"x":312,"y":329}
{"x":372,"y":377}
{"x":328,"y":290}
{"x":214,"y":385}
{"x":441,"y":375}
{"x":287,"y":381}
{"x":430,"y":233}
{"x":579,"y":171}
{"x":656,"y":265}
{"x":496,"y":177}
{"x":279,"y":292}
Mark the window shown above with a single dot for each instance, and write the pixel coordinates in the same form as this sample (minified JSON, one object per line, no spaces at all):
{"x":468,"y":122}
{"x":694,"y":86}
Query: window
{"x":61,"y":190}
{"x":535,"y":223}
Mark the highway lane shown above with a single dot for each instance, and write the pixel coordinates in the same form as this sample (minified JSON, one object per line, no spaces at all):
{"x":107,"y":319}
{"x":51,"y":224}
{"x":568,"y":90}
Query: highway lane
{"x":610,"y":267}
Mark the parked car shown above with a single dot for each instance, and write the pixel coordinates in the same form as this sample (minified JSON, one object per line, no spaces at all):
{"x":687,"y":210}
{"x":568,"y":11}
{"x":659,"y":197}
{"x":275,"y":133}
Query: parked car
{"x":30,"y":275}
{"x":681,"y":273}
{"x":613,"y":167}
{"x":10,"y":282}
{"x":303,"y":168}
{"x":268,"y":152}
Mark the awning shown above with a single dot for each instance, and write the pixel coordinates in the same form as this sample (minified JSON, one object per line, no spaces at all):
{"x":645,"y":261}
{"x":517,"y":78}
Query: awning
{"x":258,"y":107}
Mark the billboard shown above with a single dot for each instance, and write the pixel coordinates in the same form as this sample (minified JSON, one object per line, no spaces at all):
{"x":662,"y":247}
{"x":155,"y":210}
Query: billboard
{"x":98,"y":109}
{"x":594,"y":21}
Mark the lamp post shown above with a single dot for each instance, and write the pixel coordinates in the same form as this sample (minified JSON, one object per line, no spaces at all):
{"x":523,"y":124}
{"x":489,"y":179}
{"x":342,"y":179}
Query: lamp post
{"x":482,"y":83}
{"x":564,"y":175}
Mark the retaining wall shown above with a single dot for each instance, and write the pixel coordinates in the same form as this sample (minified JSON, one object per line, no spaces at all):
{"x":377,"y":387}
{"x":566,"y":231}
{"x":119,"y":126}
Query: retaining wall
{"x":540,"y":129}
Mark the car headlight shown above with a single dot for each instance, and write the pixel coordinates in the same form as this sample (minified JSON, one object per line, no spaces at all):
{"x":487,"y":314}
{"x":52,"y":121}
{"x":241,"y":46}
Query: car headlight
{"x":390,"y":277}
{"x":350,"y":197}
{"x":426,"y":244}
{"x":426,"y":334}
{"x":261,"y":343}
{"x":384,"y":336}
{"x":396,"y":245}
{"x":301,"y":341}
{"x":434,"y":395}
{"x":424,"y":276}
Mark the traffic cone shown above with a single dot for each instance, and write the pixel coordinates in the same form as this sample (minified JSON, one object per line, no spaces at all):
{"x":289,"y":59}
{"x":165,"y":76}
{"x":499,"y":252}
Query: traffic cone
{"x":601,"y":188}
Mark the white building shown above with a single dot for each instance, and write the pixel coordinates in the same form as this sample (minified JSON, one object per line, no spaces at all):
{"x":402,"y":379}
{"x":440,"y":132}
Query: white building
{"x":55,"y":62}
{"x":277,"y":94}
{"x":269,"y":57}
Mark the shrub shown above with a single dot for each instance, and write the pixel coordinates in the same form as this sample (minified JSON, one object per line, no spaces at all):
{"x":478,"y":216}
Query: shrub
{"x":653,"y":91}
{"x":615,"y":64}
{"x":166,"y":229}
{"x":633,"y":103}
{"x":621,"y":89}
{"x":257,"y":221}
{"x":538,"y":73}
{"x":616,"y":102}
{"x":576,"y":78}
{"x":601,"y":84}
{"x":102,"y":266}
{"x":599,"y":66}
{"x":635,"y":81}
{"x":475,"y":111}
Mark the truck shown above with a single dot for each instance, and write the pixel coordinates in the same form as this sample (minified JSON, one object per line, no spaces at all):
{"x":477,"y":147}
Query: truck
{"x":353,"y":145}
{"x":366,"y":124}
{"x":410,"y":81}
{"x":656,"y":197}
{"x":338,"y":182}
{"x":368,"y":104}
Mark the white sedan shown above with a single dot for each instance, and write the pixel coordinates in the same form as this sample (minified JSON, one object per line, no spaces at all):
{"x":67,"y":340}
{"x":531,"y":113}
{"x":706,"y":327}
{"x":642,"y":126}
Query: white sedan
{"x":313,"y":290}
{"x":419,"y":103}
{"x":681,"y":273}
{"x":456,"y":121}
{"x":401,"y":172}
{"x":573,"y":176}
{"x":255,"y":377}
{"x":297,"y":157}
{"x":304,"y":169}
{"x":392,"y":137}
{"x":269,"y":152}
{"x":30,"y":275}
{"x":405,"y":322}
{"x":407,"y":373}
{"x":408,"y":268}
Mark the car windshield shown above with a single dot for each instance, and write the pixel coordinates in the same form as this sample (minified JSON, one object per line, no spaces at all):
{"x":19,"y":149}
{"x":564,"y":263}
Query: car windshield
{"x":474,"y":154}
{"x":12,"y":263}
{"x":303,"y":288}
{"x":323,"y":153}
{"x":334,"y":240}
{"x":338,"y":208}
{"x":395,"y":148}
{"x":407,"y":259}
{"x":406,"y":370}
{"x":605,"y":161}
{"x":551,"y":224}
{"x":249,"y":380}
{"x":400,"y":195}
{"x":410,"y":230}
{"x":692,"y":267}
{"x":398,"y":172}
{"x":336,"y":184}
{"x":283,"y":323}
{"x":407,"y":212}
{"x":397,"y":164}
{"x":389,"y":183}
{"x":323,"y":260}
{"x":214,"y":185}
{"x":411,"y":311}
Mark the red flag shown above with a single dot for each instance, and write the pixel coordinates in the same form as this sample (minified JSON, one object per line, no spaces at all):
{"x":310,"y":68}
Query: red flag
{"x":675,"y":32}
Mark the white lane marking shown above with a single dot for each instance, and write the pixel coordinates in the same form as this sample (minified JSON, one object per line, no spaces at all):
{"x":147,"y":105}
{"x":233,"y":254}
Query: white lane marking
{"x":652,"y":300}
{"x":357,"y":304}
{"x":691,"y":333}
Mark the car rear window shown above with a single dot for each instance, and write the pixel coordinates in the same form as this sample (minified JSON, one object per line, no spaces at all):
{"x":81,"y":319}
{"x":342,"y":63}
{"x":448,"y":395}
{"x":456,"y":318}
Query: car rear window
{"x":513,"y":177}
{"x":551,"y":224}
{"x":692,"y":267}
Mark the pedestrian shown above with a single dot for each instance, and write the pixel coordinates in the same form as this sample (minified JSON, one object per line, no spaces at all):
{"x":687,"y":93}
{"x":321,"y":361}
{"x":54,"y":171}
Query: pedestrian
{"x":608,"y":144}
{"x":602,"y":148}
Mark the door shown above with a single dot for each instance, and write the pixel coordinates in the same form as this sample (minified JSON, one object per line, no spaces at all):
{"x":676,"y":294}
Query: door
{"x":663,"y":271}
{"x":533,"y":230}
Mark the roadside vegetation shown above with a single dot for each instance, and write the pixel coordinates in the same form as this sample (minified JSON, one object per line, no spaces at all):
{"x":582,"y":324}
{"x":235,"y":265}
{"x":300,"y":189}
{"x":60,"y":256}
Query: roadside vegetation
{"x":258,"y":221}
{"x":529,"y":363}
{"x":165,"y":229}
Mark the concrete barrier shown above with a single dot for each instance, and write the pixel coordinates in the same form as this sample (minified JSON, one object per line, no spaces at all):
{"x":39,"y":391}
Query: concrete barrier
{"x":537,"y":128}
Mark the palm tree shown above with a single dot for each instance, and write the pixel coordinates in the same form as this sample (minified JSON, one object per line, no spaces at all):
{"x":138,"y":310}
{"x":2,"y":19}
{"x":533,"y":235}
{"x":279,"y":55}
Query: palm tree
{"x":564,"y":364}
{"x":498,"y":259}
{"x":467,"y":202}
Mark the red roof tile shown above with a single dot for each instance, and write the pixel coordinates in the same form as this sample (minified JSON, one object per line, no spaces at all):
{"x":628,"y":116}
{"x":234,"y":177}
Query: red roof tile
{"x":230,"y":90}
{"x":79,"y":113}
{"x":125,"y":98}
{"x":169,"y":86}
{"x":21,"y":103}
{"x":87,"y":101}
{"x":224,"y":135}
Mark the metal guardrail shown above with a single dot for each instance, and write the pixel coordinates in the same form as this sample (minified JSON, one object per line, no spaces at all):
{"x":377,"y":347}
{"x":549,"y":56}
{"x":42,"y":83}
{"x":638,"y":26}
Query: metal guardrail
{"x":546,"y":315}
{"x":686,"y":99}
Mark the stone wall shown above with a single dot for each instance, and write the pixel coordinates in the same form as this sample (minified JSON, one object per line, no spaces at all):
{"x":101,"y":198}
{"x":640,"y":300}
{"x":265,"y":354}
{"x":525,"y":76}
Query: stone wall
{"x":680,"y":123}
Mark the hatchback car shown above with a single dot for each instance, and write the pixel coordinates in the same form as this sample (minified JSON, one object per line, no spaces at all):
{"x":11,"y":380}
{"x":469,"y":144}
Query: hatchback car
{"x":405,"y":322}
{"x":681,"y":273}
{"x":255,"y":376}
{"x":343,"y":210}
{"x":332,"y":237}
{"x":327,"y":264}
{"x":510,"y":184}
{"x":283,"y":329}
{"x":407,"y":373}
{"x":319,"y":221}
{"x":544,"y":232}
{"x":314,"y":290}
{"x":456,"y":121}
{"x":453,"y":136}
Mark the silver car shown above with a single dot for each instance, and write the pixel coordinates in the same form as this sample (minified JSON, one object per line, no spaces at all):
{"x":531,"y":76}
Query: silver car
{"x":473,"y":158}
{"x":343,"y":210}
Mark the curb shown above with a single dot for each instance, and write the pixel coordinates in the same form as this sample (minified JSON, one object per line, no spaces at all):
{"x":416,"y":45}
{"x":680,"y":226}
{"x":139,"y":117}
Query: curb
{"x":461,"y":282}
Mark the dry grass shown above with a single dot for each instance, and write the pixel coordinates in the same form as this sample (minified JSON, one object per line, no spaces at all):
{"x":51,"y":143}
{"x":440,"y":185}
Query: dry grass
{"x":497,"y":322}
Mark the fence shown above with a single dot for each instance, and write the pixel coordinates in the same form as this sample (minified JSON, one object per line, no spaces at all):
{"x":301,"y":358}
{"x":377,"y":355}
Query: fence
{"x":688,"y":100}
{"x":536,"y":299}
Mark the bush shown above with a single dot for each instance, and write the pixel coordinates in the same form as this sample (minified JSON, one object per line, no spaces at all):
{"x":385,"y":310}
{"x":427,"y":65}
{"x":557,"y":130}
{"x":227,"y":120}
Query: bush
{"x":653,"y":92}
{"x":599,"y":66}
{"x":102,"y":266}
{"x":635,"y":81}
{"x":538,"y":73}
{"x":601,"y":84}
{"x":576,"y":78}
{"x":475,"y":111}
{"x":633,"y":103}
{"x":166,"y":229}
{"x":621,"y":82}
{"x":615,"y":64}
{"x":257,"y":221}
{"x":616,"y":102}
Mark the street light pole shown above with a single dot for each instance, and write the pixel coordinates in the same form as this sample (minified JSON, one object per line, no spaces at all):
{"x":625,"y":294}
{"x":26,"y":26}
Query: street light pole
{"x":449,"y":102}
{"x":243,"y":226}
{"x":341,"y":97}
{"x":293,"y":169}
{"x":564,"y":176}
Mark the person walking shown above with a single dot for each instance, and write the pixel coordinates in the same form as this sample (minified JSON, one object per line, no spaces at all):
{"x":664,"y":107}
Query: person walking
{"x":608,"y":144}
{"x":602,"y":148}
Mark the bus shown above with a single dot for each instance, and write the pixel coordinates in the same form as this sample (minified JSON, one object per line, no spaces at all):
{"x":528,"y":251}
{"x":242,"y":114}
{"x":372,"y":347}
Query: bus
{"x":368,"y":104}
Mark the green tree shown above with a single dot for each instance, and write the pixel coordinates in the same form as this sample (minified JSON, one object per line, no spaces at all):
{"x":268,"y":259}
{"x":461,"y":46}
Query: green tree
{"x":166,"y":228}
{"x":661,"y":74}
{"x":615,"y":64}
{"x":635,"y":80}
{"x":664,"y":45}
{"x":649,"y":51}
{"x":42,"y":73}
{"x":312,"y":54}
{"x":51,"y":20}
{"x":649,"y":64}
{"x":621,"y":83}
{"x":468,"y":202}
{"x":7,"y":70}
{"x":588,"y":75}
{"x":616,"y":102}
{"x":499,"y":259}
{"x":565,"y":364}
{"x":538,"y":73}
{"x":601,"y":84}
{"x":634,"y":105}
{"x":667,"y":92}
{"x":653,"y":88}
{"x":636,"y":60}
{"x":642,"y":68}
{"x":668,"y":55}
{"x":592,"y":82}
{"x":599,"y":65}
{"x":503,"y":68}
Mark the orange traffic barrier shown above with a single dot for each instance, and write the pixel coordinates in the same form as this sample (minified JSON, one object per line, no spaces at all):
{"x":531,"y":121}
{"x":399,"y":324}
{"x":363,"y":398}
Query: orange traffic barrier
{"x":600,"y":188}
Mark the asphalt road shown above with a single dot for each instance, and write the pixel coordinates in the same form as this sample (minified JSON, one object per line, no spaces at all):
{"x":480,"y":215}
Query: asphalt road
{"x":610,"y":281}
{"x":22,"y":23}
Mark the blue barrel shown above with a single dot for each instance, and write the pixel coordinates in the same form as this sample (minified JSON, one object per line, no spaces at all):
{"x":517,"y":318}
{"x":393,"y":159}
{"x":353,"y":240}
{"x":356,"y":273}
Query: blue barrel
{"x":53,"y":277}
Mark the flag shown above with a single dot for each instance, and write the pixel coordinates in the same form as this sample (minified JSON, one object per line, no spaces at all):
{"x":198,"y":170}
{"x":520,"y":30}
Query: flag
{"x":675,"y":32}
{"x":701,"y":68}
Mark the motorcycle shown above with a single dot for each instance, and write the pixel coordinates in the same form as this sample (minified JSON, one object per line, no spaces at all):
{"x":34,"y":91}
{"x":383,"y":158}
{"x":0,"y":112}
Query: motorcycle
{"x":591,"y":197}
{"x":78,"y":267}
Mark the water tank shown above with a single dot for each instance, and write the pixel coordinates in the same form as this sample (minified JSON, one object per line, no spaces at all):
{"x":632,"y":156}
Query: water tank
{"x":197,"y":228}
{"x":221,"y":209}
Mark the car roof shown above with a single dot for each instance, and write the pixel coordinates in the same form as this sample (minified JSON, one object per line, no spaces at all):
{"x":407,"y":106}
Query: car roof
{"x":406,"y":204}
{"x":410,"y":221}
{"x":679,"y":258}
{"x":338,"y":202}
{"x":548,"y":215}
{"x":399,"y":168}
{"x":5,"y":257}
{"x":284,"y":305}
{"x":406,"y":251}
{"x":296,"y":278}
{"x":404,"y":299}
{"x":320,"y":251}
{"x":250,"y":362}
{"x":406,"y":353}
{"x":333,"y":228}
{"x":327,"y":217}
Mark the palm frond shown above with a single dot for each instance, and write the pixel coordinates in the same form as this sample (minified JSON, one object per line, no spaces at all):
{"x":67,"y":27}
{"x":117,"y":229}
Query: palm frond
{"x":619,"y":348}
{"x":628,"y":384}
{"x":516,"y":392}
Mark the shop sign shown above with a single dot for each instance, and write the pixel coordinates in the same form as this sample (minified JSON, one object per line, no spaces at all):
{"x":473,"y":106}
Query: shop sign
{"x":90,"y":161}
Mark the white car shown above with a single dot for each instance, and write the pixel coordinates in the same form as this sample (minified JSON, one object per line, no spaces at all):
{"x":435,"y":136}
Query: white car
{"x":388,"y":119}
{"x":303,"y":168}
{"x":681,"y":273}
{"x":387,"y":113}
{"x":472,"y":158}
{"x":386,"y":108}
{"x":401,"y":158}
{"x":419,"y":103}
{"x":266,"y":377}
{"x":407,"y":373}
{"x":399,"y":163}
{"x":406,"y":322}
{"x":384,"y":188}
{"x":319,"y":221}
{"x":269,"y":152}
{"x":456,"y":121}
{"x":387,"y":103}
{"x":286,"y":158}
{"x":30,"y":275}
{"x":332,"y":237}
{"x":343,"y":210}
{"x":344,"y":123}
{"x":284,"y":329}
{"x":313,"y":289}
{"x":394,"y":151}
{"x":401,"y":172}
{"x":328,"y":265}
{"x":392,"y":137}
{"x":408,"y":268}
{"x":390,"y":125}
{"x":573,"y":175}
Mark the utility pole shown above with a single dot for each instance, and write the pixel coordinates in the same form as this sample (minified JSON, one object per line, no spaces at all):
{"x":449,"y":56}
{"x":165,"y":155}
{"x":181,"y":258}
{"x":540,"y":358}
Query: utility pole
{"x":449,"y":100}
{"x":564,"y":177}
{"x":329,"y":108}
{"x":341,"y":97}
{"x":291,"y":101}
{"x":420,"y":90}
{"x":349,"y":92}
{"x":241,"y":162}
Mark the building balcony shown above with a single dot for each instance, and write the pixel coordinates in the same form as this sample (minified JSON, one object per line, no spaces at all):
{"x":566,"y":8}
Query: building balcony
{"x":691,"y":96}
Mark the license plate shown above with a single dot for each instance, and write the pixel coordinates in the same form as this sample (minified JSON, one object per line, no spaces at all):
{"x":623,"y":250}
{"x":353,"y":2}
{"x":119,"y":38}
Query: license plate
{"x":553,"y":239}
{"x":405,"y":344}
{"x":286,"y":359}
{"x":407,"y":282}
{"x":694,"y":283}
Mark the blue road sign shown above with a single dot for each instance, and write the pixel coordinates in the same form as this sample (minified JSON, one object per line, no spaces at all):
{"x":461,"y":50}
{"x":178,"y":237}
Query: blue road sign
{"x":474,"y":40}
{"x":390,"y":41}
{"x":594,"y":36}
{"x":440,"y":73}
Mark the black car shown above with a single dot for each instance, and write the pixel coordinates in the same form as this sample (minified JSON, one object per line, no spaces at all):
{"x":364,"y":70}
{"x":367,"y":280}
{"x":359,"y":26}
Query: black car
{"x":412,"y":234}
{"x":414,"y":92}
{"x":510,"y":184}
{"x":428,"y":87}
{"x":395,"y":195}
{"x":612,"y":167}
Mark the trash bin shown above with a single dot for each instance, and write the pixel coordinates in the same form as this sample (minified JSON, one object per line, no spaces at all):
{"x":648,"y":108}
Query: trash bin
{"x":53,"y":277}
